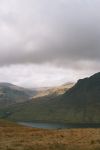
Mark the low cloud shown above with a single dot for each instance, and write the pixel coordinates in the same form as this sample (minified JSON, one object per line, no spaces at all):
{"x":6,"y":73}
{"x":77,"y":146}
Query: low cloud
{"x":61,"y":33}
{"x":32,"y":76}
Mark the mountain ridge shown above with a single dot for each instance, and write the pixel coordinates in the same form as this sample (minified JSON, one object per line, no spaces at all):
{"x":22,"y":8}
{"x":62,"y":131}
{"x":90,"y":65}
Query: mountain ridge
{"x":12,"y":94}
{"x":80,"y":104}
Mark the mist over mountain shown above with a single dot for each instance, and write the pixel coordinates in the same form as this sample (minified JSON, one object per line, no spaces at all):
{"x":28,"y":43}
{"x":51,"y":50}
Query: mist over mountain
{"x":79,"y":104}
{"x":53,"y":91}
{"x":11,"y":94}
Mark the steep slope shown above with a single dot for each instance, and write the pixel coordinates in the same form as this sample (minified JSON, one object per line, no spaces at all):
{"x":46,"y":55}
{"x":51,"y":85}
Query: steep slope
{"x":87,"y":89}
{"x":79,"y":104}
{"x":11,"y":94}
{"x":83,"y":100}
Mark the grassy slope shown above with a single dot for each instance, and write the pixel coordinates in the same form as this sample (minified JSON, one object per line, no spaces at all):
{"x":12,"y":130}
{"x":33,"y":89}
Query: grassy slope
{"x":15,"y":137}
{"x":11,"y":94}
{"x":79,"y":105}
{"x":52,"y":112}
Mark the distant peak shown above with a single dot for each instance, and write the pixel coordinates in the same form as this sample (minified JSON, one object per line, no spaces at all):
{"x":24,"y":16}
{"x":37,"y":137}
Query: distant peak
{"x":5,"y":84}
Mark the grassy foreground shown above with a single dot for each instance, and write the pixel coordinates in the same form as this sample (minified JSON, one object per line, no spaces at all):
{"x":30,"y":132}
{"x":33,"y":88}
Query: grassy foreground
{"x":15,"y":137}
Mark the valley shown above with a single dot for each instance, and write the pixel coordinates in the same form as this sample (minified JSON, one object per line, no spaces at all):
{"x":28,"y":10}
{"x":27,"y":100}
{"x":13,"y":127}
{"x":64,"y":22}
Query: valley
{"x":49,"y":75}
{"x":79,"y":104}
{"x":67,"y":119}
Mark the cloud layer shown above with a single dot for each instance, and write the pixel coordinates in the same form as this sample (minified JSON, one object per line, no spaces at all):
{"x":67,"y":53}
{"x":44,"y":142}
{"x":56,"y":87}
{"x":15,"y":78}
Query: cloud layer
{"x":35,"y":31}
{"x":32,"y":76}
{"x":63,"y":33}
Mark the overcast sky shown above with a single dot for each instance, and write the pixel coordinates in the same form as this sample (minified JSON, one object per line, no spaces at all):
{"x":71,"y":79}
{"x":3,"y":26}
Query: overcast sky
{"x":48,"y":42}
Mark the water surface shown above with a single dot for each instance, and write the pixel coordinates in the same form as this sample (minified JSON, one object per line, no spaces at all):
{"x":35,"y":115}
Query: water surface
{"x":43,"y":125}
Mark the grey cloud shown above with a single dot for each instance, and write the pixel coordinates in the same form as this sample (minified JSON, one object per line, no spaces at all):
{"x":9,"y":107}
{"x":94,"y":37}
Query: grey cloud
{"x":57,"y":31}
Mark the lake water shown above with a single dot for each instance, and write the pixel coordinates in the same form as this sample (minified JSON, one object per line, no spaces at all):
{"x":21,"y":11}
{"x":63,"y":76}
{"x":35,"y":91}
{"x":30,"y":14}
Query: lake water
{"x":58,"y":125}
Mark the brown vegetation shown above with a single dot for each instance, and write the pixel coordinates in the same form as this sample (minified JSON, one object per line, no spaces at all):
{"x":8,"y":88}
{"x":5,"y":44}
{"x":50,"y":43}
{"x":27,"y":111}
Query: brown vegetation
{"x":15,"y":137}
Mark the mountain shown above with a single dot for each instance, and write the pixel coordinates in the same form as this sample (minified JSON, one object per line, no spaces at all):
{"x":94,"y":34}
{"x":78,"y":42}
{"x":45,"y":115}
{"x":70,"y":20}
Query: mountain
{"x":85,"y":91}
{"x":82,"y":101}
{"x":12,"y":94}
{"x":53,"y":91}
{"x":79,"y":104}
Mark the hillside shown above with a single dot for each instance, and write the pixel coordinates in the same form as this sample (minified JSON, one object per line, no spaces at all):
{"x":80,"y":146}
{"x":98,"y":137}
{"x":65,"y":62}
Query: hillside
{"x":79,"y":104}
{"x":15,"y":137}
{"x":12,"y":94}
{"x":53,"y":91}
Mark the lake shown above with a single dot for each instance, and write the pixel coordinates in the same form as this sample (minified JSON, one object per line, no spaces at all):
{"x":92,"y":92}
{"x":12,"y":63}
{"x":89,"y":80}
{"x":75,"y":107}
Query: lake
{"x":43,"y":125}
